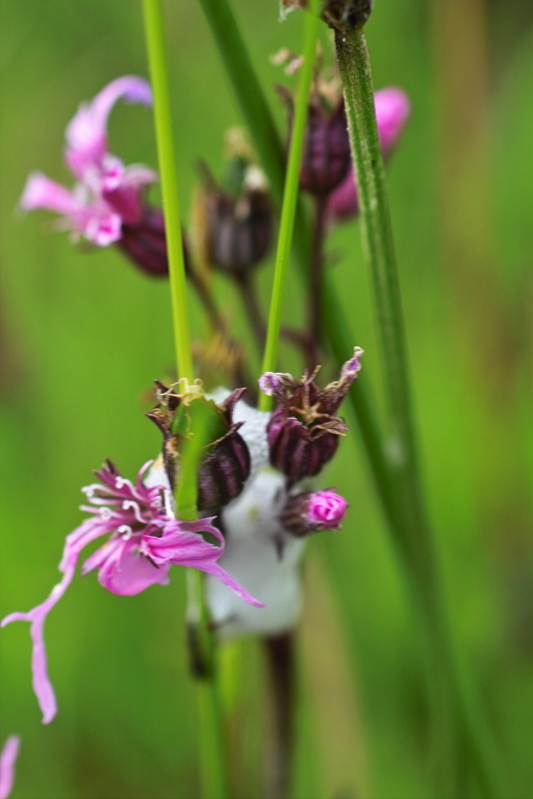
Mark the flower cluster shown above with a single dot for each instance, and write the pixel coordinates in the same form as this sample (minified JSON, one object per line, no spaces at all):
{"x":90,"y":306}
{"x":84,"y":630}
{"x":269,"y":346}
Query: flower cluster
{"x":254,"y":467}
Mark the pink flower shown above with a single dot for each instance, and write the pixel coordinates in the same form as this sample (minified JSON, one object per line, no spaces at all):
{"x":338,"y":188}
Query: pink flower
{"x":145,"y":540}
{"x":107,"y":194}
{"x":8,"y":758}
{"x":392,"y":112}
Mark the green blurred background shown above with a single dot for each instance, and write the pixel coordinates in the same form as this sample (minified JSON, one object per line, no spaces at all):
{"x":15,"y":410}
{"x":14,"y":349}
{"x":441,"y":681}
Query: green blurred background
{"x":84,"y":334}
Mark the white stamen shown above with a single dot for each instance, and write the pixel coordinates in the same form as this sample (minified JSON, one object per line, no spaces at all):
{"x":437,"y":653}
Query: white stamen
{"x":168,"y":504}
{"x":125,"y":531}
{"x":122,"y":482}
{"x":89,"y":490}
{"x":105,"y":514}
{"x":129,"y":503}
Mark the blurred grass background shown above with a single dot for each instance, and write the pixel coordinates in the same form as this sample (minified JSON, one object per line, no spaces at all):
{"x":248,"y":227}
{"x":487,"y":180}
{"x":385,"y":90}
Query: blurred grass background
{"x":83,"y":335}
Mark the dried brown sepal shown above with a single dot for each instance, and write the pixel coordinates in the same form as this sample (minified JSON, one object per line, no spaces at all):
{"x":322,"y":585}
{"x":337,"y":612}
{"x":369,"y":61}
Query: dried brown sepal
{"x":342,"y":15}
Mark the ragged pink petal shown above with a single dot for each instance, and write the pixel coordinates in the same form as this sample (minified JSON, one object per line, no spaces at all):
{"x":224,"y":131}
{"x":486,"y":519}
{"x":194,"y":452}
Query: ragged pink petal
{"x":126,"y":572}
{"x":37,"y":616}
{"x":392,"y":112}
{"x":188,"y":549}
{"x":102,"y":230}
{"x":217,"y":571}
{"x":86,"y":133}
{"x":122,"y":190}
{"x":41,"y":192}
{"x":8,"y":759}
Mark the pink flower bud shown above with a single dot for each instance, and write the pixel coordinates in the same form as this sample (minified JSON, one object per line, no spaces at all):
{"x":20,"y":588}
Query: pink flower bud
{"x":310,"y":512}
{"x":326,"y":510}
{"x":392,"y":112}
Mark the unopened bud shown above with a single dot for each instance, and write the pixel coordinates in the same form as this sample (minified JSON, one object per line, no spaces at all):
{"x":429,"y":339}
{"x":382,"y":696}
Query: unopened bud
{"x":326,"y":154}
{"x":311,"y":512}
{"x":392,"y":112}
{"x":326,"y":157}
{"x":238,"y":223}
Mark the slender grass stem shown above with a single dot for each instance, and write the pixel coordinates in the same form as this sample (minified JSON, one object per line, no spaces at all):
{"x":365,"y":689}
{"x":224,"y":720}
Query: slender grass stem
{"x":290,"y":196}
{"x":211,"y":748}
{"x":253,"y":309}
{"x":317,"y":269}
{"x":165,"y":147}
{"x":453,"y":705}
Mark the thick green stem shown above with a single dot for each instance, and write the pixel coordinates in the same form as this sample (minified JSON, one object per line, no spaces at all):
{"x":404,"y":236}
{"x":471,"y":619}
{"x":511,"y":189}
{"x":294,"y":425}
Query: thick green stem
{"x":452,"y":702}
{"x":211,"y":744}
{"x":290,"y":197}
{"x":153,"y":23}
{"x":379,"y":249}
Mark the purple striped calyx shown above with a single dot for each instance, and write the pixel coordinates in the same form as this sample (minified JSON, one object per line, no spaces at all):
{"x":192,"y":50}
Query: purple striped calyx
{"x":225,"y":461}
{"x":303,"y":431}
{"x":236,"y":219}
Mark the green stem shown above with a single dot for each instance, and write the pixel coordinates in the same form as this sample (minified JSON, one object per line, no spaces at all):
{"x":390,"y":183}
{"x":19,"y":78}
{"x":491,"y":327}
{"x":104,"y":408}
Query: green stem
{"x":249,"y":94}
{"x":153,"y":23}
{"x":417,"y":540}
{"x":290,"y":196}
{"x":211,"y":744}
{"x":317,"y":274}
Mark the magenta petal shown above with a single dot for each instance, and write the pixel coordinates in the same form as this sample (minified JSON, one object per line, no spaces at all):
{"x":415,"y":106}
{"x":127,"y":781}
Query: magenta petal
{"x":188,"y":549}
{"x":343,"y":202}
{"x":123,"y":192}
{"x":41,"y":192}
{"x":217,"y":571}
{"x":86,"y":133}
{"x":127,"y":572}
{"x":103,"y":230}
{"x":8,"y":758}
{"x":392,"y":112}
{"x":42,"y":686}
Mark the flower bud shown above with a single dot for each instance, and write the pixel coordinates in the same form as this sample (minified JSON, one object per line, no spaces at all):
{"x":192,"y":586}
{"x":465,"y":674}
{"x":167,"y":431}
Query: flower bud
{"x":145,"y":243}
{"x":303,"y":432}
{"x":392,"y":112}
{"x":326,"y":154}
{"x":312,"y":511}
{"x":237,"y":224}
{"x":225,"y":466}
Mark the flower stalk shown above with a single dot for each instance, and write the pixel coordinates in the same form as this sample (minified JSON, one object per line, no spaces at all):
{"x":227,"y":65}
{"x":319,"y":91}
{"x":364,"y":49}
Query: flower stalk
{"x":211,"y":743}
{"x":290,"y":196}
{"x":165,"y":147}
{"x":453,"y":707}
